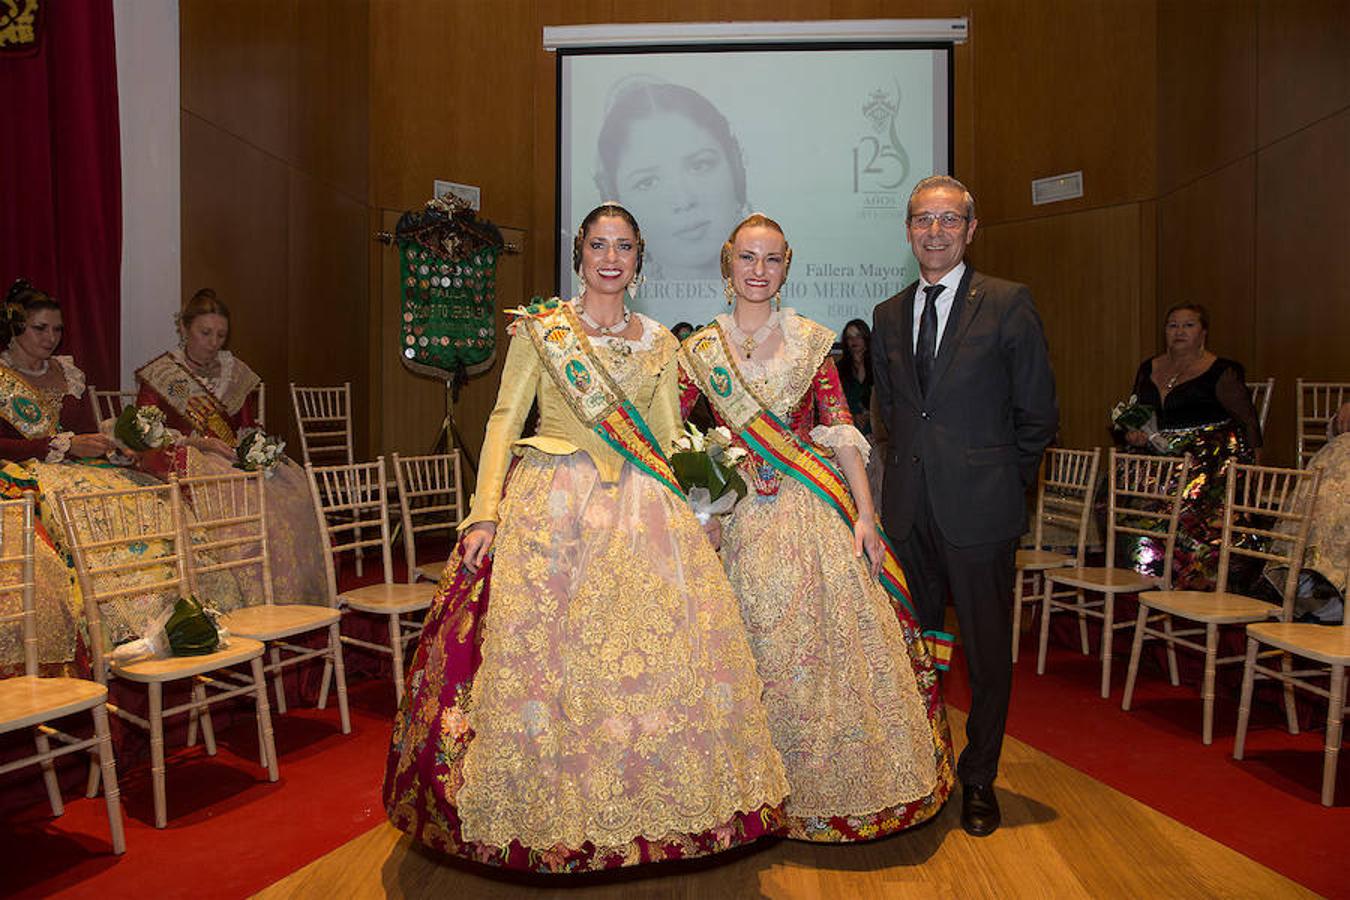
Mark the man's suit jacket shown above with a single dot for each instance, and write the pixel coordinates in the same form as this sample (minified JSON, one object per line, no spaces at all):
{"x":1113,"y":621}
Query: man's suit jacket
{"x":973,"y":442}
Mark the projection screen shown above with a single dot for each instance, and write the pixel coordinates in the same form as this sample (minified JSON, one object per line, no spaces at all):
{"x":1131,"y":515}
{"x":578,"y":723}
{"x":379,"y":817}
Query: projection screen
{"x":828,"y":139}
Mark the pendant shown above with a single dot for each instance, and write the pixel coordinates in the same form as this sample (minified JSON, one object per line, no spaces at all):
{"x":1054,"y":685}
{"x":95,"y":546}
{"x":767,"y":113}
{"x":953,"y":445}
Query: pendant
{"x":749,"y":346}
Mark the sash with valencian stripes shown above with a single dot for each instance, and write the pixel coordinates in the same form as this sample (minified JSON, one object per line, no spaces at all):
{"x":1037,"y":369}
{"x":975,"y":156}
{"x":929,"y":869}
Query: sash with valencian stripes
{"x":589,"y":390}
{"x":714,"y":370}
{"x":188,"y":396}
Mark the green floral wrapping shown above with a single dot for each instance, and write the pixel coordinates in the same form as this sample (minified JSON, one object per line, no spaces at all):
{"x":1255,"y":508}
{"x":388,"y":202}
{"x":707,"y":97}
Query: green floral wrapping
{"x":190,"y":630}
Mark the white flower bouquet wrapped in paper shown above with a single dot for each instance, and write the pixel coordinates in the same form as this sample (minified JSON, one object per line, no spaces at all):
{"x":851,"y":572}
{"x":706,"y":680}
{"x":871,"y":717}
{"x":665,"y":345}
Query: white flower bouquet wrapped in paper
{"x":259,"y":451}
{"x":705,"y":466}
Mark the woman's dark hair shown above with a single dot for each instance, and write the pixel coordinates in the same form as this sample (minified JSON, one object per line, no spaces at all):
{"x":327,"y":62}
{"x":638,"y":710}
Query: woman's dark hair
{"x":203,"y":303}
{"x":21,"y":301}
{"x":646,"y":98}
{"x":688,"y":328}
{"x":604,"y":211}
{"x":846,"y":370}
{"x":1196,"y":308}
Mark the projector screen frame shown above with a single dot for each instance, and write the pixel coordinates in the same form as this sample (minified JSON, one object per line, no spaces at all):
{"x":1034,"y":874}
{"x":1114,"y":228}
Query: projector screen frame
{"x":562,"y":231}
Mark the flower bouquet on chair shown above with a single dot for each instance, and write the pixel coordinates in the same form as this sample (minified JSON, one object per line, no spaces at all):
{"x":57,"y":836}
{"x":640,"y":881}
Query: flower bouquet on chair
{"x":185,"y":629}
{"x":705,"y":466}
{"x":1131,"y":415}
{"x":259,"y":451}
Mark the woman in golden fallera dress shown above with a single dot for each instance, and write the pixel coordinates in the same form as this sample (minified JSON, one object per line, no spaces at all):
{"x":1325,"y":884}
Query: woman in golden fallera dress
{"x":585,"y":698}
{"x":852,"y":691}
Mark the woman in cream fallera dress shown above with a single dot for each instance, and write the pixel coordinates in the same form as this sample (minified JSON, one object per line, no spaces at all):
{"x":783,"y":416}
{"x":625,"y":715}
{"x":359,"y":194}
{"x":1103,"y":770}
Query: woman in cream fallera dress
{"x":586,"y":699}
{"x":851,"y":689}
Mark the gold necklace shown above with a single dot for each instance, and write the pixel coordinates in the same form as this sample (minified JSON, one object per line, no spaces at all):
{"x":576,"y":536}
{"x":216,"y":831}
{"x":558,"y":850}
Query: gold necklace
{"x":1182,"y":370}
{"x":751,"y":341}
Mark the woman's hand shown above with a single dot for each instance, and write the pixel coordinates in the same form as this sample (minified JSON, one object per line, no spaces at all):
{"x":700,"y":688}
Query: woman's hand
{"x":1136,"y":438}
{"x":866,"y":540}
{"x":713,"y":530}
{"x":85,"y":446}
{"x":476,"y":543}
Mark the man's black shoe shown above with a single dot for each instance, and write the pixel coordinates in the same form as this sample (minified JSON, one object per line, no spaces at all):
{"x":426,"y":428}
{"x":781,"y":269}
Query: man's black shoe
{"x":979,"y":810}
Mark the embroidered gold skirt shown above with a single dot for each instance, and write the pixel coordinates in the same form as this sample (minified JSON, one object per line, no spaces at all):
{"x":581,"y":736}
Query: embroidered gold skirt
{"x":61,"y":623}
{"x":853,"y":698}
{"x":592,"y":701}
{"x":293,"y":537}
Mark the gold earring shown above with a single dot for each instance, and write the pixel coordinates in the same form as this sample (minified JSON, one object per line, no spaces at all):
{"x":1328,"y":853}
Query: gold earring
{"x":730,"y":292}
{"x":777,"y":300}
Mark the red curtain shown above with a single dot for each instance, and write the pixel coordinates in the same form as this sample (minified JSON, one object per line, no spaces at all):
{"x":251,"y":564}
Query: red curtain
{"x":60,"y":177}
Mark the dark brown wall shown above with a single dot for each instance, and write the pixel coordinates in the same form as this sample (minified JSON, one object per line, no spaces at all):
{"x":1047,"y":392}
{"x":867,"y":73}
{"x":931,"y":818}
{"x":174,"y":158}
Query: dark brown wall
{"x":1197,"y":126}
{"x":1031,"y":100}
{"x":1254,"y":176}
{"x":275,"y":144}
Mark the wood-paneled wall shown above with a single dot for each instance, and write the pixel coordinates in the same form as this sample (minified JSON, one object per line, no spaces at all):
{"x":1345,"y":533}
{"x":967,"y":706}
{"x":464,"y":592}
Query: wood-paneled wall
{"x":1211,"y":136}
{"x":1254,"y":178}
{"x":275,"y":141}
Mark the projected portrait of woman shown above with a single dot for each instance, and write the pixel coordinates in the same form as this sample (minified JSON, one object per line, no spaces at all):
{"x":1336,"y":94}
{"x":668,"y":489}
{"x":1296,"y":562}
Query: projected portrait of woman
{"x":668,"y":155}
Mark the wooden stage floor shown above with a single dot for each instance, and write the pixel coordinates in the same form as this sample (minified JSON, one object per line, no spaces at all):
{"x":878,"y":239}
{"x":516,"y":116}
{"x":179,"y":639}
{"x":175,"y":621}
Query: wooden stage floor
{"x":1064,"y":835}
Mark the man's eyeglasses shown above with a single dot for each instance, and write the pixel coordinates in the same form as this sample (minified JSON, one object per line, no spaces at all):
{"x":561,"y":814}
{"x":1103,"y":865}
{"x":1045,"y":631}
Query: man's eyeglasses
{"x":950,"y":221}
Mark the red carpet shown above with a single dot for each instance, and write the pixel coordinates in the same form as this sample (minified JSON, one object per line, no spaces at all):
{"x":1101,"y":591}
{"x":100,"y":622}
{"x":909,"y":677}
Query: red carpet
{"x":1265,"y":806}
{"x":232,"y":833}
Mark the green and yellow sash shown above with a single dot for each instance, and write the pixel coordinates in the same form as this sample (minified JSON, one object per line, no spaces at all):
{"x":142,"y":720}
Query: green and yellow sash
{"x":594,"y":397}
{"x":32,"y":413}
{"x":712,"y":365}
{"x":188,"y":395}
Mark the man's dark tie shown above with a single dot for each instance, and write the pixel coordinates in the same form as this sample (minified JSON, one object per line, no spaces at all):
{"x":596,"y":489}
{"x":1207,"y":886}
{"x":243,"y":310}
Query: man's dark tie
{"x":926,"y":349}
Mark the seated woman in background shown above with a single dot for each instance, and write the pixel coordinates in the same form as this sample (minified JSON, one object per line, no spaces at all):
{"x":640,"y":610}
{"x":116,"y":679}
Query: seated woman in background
{"x":206,"y":393}
{"x":1326,"y":562}
{"x":48,"y":442}
{"x":1203,"y":408}
{"x":855,"y":373}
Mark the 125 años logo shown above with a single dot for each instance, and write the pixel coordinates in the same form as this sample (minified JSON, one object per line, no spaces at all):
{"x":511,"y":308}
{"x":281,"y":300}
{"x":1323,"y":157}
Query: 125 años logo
{"x":880,"y":163}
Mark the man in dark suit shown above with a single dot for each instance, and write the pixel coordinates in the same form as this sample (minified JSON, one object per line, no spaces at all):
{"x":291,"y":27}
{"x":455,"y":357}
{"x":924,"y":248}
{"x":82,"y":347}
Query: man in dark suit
{"x":964,"y":387}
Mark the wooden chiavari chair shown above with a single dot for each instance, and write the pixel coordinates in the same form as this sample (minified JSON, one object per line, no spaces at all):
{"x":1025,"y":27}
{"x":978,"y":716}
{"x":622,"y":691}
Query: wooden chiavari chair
{"x":227,"y":532}
{"x":324,"y":417}
{"x":149,"y":522}
{"x":1063,"y":500}
{"x":1329,"y":646}
{"x":1145,"y":501}
{"x":350,"y":501}
{"x":430,"y":500}
{"x":108,"y":404}
{"x":1256,"y":499}
{"x":260,"y":405}
{"x":31,"y":701}
{"x":1261,"y":392}
{"x":1317,"y":402}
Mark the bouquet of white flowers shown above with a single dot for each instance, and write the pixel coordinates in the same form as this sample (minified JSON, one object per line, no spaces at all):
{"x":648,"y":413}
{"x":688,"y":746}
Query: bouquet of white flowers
{"x":141,"y":428}
{"x":705,"y":466}
{"x":258,"y":450}
{"x":1131,"y":415}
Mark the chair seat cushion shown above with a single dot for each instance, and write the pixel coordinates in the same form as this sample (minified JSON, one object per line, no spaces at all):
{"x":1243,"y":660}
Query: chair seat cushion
{"x":1116,"y":581}
{"x":1325,"y":643}
{"x":27,"y":700}
{"x":1042,"y":559}
{"x":239,"y":650}
{"x":1209,"y":606}
{"x":389,"y":598}
{"x":268,"y":623}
